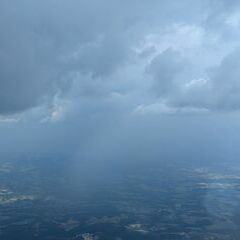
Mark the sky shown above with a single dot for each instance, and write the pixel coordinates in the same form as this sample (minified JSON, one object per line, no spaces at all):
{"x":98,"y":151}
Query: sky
{"x":114,"y":80}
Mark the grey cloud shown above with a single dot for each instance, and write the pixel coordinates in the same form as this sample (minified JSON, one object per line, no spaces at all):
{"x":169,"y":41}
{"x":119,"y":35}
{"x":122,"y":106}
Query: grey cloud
{"x":165,"y":68}
{"x":45,"y":44}
{"x":39,"y":38}
{"x":180,"y":88}
{"x":226,"y":82}
{"x":221,"y":91}
{"x":100,"y":57}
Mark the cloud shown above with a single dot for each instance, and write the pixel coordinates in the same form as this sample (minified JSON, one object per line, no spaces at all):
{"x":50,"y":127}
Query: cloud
{"x":81,"y":52}
{"x":226,"y":82}
{"x":219,"y":91}
{"x":165,"y":69}
{"x":43,"y":42}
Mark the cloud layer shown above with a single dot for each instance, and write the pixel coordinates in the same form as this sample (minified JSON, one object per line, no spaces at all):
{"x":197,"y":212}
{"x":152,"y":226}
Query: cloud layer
{"x":174,"y":55}
{"x":119,"y":76}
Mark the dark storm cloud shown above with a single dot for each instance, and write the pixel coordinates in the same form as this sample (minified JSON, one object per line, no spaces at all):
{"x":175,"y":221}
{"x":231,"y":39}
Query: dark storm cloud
{"x":43,"y":42}
{"x":48,"y":48}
